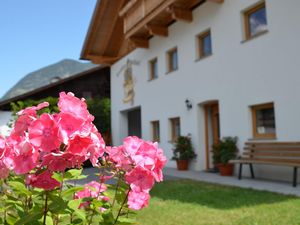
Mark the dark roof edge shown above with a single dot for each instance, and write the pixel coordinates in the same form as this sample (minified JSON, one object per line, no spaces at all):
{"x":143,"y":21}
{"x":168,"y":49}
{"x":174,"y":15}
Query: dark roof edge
{"x":81,"y":74}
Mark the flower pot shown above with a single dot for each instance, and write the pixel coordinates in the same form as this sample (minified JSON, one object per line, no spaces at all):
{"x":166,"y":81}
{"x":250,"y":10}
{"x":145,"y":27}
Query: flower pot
{"x":226,"y":169}
{"x":182,"y":164}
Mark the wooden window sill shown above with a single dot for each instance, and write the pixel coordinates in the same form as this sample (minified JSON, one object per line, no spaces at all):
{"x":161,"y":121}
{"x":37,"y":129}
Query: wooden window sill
{"x":262,"y":139}
{"x":203,"y":57}
{"x":255,"y":36}
{"x":152,"y":79}
{"x":171,"y":71}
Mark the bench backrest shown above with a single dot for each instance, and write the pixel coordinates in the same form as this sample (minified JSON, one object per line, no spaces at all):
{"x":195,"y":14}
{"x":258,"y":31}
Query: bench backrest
{"x":272,"y":151}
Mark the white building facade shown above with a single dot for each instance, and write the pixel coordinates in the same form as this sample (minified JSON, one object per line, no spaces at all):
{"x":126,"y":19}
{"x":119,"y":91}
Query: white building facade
{"x":246,"y":74}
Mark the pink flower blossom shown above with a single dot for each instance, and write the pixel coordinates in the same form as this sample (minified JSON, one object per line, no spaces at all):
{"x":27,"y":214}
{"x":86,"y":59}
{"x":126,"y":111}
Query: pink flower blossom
{"x":2,"y":147}
{"x":137,"y":200}
{"x":116,"y":155}
{"x":140,"y":179}
{"x":132,"y":144}
{"x":91,"y":190}
{"x":23,"y":157}
{"x":22,"y":124}
{"x":4,"y":171}
{"x":74,"y":160}
{"x":56,"y":161}
{"x":68,"y":103}
{"x":43,"y":133}
{"x":97,"y":148}
{"x":44,"y":181}
{"x":68,"y":125}
{"x":79,"y":145}
{"x":31,"y":111}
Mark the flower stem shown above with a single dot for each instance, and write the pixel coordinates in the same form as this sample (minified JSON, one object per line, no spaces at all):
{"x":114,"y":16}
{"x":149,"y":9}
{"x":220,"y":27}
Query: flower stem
{"x":116,"y":191}
{"x":125,"y":199}
{"x":45,"y":209}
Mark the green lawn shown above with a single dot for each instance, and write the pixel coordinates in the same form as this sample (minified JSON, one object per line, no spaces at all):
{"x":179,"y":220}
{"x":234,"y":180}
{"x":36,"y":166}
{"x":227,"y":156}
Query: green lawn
{"x":185,"y":202}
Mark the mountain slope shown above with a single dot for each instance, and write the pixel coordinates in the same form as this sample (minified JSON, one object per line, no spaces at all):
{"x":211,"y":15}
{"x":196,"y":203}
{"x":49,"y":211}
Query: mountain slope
{"x":47,"y":75}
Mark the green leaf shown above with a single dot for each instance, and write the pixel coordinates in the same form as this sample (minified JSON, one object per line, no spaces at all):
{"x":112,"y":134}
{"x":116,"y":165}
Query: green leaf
{"x":57,"y":204}
{"x":19,"y":187}
{"x":108,"y":218}
{"x":74,"y":205}
{"x":49,"y":220}
{"x":32,"y":216}
{"x":71,"y":191}
{"x":58,"y":177}
{"x":72,"y":174}
{"x":125,"y":221}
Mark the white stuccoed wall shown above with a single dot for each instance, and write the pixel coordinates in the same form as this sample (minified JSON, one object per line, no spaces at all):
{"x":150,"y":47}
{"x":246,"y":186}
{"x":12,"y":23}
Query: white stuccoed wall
{"x":238,"y":74}
{"x":5,"y":117}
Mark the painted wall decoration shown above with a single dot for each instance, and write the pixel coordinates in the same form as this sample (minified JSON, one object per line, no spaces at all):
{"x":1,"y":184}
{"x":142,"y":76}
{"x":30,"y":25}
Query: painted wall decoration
{"x":128,"y":84}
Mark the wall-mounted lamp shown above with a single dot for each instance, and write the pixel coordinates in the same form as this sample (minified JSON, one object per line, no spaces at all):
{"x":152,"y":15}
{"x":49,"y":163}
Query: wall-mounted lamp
{"x":188,"y":104}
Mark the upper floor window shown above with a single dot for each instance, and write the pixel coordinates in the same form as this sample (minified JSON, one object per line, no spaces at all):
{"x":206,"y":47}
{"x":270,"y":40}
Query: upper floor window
{"x":153,"y":69}
{"x":175,"y":128}
{"x":204,"y":44}
{"x":172,"y":60}
{"x":263,"y":120}
{"x":155,"y":131}
{"x":255,"y":20}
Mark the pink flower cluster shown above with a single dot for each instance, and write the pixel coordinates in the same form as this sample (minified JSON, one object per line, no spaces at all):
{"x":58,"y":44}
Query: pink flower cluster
{"x":92,"y":190}
{"x":143,"y":162}
{"x":51,"y":141}
{"x":42,"y":144}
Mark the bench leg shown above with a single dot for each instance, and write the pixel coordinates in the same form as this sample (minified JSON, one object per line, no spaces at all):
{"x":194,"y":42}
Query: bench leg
{"x":240,"y":171}
{"x":295,"y":177}
{"x":251,"y":171}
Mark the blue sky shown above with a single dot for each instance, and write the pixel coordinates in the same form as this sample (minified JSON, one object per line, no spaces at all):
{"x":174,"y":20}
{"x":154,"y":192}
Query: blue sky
{"x":36,"y":33}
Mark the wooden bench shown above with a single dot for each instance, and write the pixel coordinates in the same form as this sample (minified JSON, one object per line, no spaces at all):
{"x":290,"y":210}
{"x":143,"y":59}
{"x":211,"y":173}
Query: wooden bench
{"x":272,"y":153}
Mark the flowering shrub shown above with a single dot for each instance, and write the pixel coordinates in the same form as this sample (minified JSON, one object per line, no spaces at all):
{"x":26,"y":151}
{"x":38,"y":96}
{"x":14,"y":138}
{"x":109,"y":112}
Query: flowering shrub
{"x":43,"y":153}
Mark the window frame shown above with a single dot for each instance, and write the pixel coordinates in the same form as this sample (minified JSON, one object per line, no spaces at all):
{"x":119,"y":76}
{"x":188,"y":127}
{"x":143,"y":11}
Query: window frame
{"x":170,"y":63}
{"x":246,"y":16}
{"x":173,"y":121}
{"x":200,"y":39}
{"x":155,"y":126}
{"x":254,"y":109}
{"x":152,"y":69}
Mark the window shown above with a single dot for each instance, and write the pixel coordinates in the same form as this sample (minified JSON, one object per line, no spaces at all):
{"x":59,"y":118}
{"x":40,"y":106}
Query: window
{"x":155,"y":131}
{"x":172,"y":59}
{"x":153,"y":69}
{"x":175,"y":128}
{"x":204,"y":44}
{"x":263,"y":118}
{"x":255,"y":20}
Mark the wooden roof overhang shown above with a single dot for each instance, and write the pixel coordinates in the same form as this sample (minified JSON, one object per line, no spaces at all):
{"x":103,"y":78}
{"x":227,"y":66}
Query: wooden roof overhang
{"x":120,"y":26}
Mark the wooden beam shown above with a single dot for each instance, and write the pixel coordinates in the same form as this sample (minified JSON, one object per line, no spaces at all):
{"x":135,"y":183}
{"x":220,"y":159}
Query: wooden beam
{"x":157,"y":30}
{"x":103,"y":60}
{"x":127,"y":7}
{"x":216,"y":1}
{"x":140,"y":42}
{"x":164,"y":4}
{"x":181,"y":14}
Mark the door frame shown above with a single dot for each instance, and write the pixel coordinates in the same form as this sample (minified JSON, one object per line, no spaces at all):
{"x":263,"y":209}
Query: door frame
{"x":210,"y":123}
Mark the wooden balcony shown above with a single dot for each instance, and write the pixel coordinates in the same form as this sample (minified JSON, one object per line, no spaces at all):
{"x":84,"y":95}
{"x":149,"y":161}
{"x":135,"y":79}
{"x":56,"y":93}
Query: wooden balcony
{"x":146,"y":18}
{"x":120,"y":26}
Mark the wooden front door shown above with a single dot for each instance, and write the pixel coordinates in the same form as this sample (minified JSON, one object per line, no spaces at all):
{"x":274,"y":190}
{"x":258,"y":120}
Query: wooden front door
{"x":215,"y":123}
{"x":212,"y":130}
{"x":134,"y":123}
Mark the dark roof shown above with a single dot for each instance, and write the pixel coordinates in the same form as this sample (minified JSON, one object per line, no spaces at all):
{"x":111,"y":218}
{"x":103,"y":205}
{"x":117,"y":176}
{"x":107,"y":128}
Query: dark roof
{"x":53,"y":84}
{"x":47,"y":75}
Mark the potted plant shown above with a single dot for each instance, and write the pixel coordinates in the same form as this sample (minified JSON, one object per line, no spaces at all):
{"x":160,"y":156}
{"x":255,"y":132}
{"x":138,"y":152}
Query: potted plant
{"x":183,"y":152}
{"x":226,"y":150}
